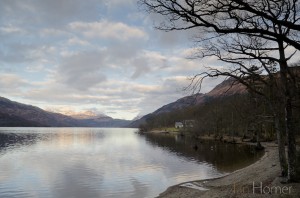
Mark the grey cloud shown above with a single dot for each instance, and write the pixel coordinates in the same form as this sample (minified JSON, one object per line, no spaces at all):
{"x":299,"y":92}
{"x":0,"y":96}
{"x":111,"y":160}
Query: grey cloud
{"x":122,"y":41}
{"x":141,"y":67}
{"x":58,"y":13}
{"x":11,"y":81}
{"x":108,"y":30}
{"x":60,"y":94}
{"x":122,"y":100}
{"x":13,"y":84}
{"x":167,"y":40}
{"x":148,"y":62}
{"x":124,"y":51}
{"x":85,"y":81}
{"x":117,"y":96}
{"x":49,"y":12}
{"x":170,"y":89}
{"x":17,"y":53}
{"x":83,"y":70}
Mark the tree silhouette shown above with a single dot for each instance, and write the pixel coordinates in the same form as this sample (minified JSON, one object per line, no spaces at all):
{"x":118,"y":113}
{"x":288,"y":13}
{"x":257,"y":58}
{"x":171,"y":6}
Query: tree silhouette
{"x":255,"y":38}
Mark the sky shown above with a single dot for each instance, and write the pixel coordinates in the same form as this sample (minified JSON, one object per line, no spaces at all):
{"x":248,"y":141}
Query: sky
{"x":103,"y":56}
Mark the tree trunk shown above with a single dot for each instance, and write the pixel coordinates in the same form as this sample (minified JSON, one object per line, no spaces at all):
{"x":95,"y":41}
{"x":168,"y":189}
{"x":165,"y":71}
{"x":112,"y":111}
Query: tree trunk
{"x":289,"y":126}
{"x":292,"y":152}
{"x":274,"y":104}
{"x":281,"y":147}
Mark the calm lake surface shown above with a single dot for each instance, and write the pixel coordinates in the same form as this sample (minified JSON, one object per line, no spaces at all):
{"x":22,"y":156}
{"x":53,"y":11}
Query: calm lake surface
{"x":101,"y":162}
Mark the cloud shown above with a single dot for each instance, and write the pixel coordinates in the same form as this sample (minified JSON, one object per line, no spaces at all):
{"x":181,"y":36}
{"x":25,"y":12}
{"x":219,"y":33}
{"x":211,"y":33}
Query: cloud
{"x":141,"y":67}
{"x":108,"y":30}
{"x":10,"y":29}
{"x":53,"y":33}
{"x":54,"y":13}
{"x":91,"y":54}
{"x":116,"y":97}
{"x":13,"y":85}
{"x":146,"y":62}
{"x":169,"y":91}
{"x":167,"y":40}
{"x":77,"y":41}
{"x":17,"y":52}
{"x":83,"y":70}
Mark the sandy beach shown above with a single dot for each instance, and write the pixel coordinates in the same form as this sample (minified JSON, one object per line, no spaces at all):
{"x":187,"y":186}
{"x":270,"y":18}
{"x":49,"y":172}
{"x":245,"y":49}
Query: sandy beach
{"x":260,"y":179}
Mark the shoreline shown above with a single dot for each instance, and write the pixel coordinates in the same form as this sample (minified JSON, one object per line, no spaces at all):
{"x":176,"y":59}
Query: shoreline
{"x":260,"y":179}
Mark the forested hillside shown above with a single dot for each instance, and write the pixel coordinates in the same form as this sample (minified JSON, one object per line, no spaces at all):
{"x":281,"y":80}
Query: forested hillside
{"x":226,"y":110}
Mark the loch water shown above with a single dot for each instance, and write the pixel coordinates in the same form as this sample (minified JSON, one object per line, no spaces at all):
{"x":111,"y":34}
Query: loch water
{"x":108,"y":162}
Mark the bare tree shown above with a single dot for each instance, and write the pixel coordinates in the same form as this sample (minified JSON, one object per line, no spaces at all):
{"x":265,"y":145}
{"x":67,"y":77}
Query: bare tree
{"x":254,"y":37}
{"x":252,"y":65}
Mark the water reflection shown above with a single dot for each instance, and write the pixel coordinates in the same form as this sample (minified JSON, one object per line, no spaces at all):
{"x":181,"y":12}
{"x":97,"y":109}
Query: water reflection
{"x":85,"y":162}
{"x":224,"y":157}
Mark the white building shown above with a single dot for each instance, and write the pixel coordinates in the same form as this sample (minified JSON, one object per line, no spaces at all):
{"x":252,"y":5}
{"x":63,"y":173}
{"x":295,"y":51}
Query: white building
{"x":178,"y":125}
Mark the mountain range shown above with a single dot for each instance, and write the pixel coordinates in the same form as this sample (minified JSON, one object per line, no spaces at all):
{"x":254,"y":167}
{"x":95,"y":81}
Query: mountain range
{"x":14,"y":114}
{"x":22,"y":115}
{"x":227,"y":88}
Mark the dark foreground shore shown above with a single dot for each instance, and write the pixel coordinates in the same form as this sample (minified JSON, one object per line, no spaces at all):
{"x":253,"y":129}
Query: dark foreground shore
{"x":260,"y":179}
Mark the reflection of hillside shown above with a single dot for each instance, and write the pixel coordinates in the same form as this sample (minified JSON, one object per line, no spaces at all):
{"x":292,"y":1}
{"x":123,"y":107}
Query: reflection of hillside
{"x":74,"y":139}
{"x":69,"y":139}
{"x":16,"y":140}
{"x":225,"y":157}
{"x":59,"y":140}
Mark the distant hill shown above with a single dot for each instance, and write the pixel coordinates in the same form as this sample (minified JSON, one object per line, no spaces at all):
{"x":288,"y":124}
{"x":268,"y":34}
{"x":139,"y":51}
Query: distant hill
{"x":33,"y":114}
{"x":227,"y":88}
{"x":103,"y":121}
{"x":18,"y":114}
{"x":15,"y":121}
{"x":92,"y":118}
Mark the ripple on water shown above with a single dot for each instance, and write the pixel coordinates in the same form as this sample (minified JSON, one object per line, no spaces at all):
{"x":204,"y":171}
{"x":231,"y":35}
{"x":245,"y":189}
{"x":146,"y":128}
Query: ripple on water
{"x":83,"y":162}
